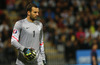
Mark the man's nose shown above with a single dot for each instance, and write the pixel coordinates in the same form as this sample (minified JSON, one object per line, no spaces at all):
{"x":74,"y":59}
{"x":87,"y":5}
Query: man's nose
{"x":37,"y":14}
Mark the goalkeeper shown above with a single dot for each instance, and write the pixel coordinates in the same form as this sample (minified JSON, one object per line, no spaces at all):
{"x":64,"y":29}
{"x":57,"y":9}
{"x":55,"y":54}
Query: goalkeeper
{"x":27,"y":37}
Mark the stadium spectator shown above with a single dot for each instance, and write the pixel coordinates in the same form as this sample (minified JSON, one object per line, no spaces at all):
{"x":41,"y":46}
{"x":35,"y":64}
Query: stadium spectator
{"x":94,"y":60}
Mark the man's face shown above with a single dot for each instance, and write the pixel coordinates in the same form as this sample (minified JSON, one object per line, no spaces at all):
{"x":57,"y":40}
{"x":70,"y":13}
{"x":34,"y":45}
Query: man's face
{"x":95,"y":47}
{"x":34,"y":13}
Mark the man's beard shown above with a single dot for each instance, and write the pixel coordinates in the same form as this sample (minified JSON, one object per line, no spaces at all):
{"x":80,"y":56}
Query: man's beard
{"x":32,"y":18}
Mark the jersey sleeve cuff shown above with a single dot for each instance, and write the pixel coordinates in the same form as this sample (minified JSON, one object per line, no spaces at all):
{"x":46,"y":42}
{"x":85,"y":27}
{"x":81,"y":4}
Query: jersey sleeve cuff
{"x":22,"y":48}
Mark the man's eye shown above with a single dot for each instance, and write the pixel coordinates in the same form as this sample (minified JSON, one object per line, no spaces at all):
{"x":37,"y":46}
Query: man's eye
{"x":34,"y":12}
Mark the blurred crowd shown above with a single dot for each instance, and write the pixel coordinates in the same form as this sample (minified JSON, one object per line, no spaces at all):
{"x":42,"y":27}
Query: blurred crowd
{"x":73,"y":24}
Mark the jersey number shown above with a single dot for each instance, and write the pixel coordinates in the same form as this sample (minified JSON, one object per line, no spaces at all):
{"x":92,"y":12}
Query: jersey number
{"x":33,"y":33}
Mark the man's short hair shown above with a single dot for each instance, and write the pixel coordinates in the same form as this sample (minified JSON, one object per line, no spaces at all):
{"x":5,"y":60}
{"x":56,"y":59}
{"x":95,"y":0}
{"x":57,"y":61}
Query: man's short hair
{"x":29,"y":6}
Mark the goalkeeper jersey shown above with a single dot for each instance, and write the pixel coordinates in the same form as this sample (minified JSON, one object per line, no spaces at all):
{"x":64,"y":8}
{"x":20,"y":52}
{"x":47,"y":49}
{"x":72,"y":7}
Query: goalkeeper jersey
{"x":28,"y":35}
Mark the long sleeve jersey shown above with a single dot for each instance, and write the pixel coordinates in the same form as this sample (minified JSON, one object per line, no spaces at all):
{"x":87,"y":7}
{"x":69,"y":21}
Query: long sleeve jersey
{"x":28,"y":35}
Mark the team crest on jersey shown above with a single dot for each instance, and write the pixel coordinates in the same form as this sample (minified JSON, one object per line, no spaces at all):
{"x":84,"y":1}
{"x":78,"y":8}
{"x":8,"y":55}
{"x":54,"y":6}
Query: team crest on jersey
{"x":15,"y":31}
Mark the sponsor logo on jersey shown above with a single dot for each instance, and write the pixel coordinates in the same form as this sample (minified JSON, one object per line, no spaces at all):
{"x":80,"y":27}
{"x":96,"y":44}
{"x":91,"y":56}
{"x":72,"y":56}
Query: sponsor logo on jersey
{"x":15,"y":31}
{"x":27,"y":27}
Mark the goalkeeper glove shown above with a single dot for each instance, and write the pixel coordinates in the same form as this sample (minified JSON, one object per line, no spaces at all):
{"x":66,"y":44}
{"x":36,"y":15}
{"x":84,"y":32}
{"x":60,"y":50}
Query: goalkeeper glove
{"x":29,"y":54}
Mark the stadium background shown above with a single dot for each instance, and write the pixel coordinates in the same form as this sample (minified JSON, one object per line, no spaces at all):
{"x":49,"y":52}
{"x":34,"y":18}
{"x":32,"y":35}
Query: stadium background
{"x":69,"y":25}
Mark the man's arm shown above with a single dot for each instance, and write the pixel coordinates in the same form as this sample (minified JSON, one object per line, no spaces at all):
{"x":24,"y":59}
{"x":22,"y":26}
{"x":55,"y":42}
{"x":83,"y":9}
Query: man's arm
{"x":94,"y":60}
{"x":15,"y":36}
{"x":42,"y":45}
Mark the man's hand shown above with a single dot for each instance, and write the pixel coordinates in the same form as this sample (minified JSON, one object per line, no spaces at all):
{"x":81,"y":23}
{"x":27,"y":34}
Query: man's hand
{"x":44,"y":62}
{"x":29,"y":54}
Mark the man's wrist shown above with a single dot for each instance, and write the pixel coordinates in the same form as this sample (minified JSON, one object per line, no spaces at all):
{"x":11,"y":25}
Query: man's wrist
{"x":44,"y":62}
{"x":22,"y":48}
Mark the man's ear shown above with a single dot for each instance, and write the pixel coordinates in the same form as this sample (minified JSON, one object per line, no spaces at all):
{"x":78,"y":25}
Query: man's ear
{"x":28,"y":13}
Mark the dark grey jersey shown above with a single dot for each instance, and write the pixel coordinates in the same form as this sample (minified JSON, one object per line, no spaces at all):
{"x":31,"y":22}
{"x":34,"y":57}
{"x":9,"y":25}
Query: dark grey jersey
{"x":28,"y":34}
